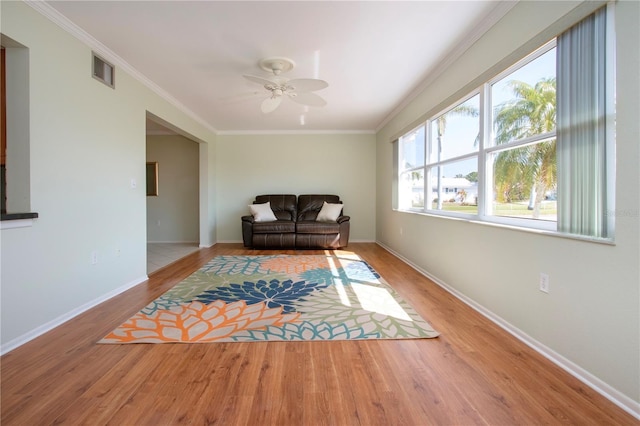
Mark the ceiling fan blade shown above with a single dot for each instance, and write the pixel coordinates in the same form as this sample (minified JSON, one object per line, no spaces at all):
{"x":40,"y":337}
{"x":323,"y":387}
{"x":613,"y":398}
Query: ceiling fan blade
{"x":310,"y":99}
{"x":270,"y":104}
{"x":261,"y":81}
{"x":307,"y":84}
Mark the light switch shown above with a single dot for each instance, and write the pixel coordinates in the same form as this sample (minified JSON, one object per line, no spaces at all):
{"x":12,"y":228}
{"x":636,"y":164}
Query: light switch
{"x":134,"y":184}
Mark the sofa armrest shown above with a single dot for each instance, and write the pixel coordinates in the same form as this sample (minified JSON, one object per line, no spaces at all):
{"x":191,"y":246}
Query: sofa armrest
{"x":247,"y":230}
{"x":343,"y":219}
{"x":345,"y":225}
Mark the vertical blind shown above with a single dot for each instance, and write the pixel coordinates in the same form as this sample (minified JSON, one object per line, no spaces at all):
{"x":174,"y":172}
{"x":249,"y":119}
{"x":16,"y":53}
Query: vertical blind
{"x":582,"y":128}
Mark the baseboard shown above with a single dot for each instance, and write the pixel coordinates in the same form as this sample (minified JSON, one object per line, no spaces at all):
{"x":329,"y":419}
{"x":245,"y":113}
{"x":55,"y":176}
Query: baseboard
{"x":172,"y":242}
{"x":621,"y":400}
{"x":240,"y":241}
{"x":38,"y":331}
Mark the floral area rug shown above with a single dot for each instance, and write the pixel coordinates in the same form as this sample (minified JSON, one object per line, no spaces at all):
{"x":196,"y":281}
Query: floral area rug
{"x":276,"y":298}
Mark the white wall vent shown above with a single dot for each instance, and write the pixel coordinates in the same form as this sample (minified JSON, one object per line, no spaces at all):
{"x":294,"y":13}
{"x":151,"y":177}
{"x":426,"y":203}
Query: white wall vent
{"x":103,"y":71}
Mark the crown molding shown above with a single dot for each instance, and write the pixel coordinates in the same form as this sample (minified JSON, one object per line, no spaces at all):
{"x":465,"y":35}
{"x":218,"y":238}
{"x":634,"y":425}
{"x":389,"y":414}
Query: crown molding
{"x":498,"y":12}
{"x":63,"y":22}
{"x":296,"y":132}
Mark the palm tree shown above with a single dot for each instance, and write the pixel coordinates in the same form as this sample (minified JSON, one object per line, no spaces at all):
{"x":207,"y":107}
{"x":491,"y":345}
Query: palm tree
{"x":532,"y":167}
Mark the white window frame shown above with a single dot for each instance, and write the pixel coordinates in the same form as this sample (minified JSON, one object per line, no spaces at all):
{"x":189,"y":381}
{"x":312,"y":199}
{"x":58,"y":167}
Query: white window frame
{"x":489,"y":148}
{"x":402,"y":170}
{"x":428,"y":166}
{"x":486,"y":149}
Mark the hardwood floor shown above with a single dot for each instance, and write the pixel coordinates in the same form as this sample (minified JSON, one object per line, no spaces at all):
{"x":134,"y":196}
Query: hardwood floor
{"x":474,"y":373}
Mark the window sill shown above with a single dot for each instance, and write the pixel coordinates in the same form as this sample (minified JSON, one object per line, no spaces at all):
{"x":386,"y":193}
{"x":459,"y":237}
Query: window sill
{"x":17,"y":220}
{"x":606,"y":241}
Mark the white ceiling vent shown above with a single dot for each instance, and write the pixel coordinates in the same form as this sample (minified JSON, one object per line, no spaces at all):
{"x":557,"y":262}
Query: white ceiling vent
{"x":103,"y":71}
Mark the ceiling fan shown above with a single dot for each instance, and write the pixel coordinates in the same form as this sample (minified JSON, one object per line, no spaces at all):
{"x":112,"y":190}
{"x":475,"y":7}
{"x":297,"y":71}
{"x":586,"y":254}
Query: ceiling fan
{"x":298,"y":90}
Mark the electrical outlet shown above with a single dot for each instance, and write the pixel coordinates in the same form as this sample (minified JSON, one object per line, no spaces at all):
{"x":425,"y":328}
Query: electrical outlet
{"x":544,"y":282}
{"x":94,"y":257}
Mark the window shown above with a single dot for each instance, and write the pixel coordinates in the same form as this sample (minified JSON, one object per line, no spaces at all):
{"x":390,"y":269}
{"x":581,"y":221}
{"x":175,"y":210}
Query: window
{"x":411,"y":167}
{"x":452,"y":164}
{"x":517,"y":151}
{"x":521,"y":156}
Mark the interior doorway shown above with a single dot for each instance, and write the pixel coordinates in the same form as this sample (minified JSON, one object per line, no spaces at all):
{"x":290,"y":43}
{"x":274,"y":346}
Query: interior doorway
{"x":173,"y":224}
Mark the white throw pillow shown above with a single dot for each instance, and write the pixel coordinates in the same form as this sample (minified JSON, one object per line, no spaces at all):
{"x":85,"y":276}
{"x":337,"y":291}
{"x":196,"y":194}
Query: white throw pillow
{"x":262,"y":212}
{"x":329,"y":212}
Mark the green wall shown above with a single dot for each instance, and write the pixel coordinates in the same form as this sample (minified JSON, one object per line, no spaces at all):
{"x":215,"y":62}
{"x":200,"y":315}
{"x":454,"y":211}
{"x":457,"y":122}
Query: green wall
{"x":590,"y":320}
{"x":86,"y":145}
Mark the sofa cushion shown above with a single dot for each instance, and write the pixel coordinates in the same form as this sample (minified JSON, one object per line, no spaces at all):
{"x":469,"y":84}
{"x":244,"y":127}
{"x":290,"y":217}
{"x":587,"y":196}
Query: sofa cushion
{"x":309,"y":205}
{"x":313,"y":227}
{"x":283,"y":205}
{"x":277,"y":227}
{"x":329,"y":212}
{"x":262,"y":212}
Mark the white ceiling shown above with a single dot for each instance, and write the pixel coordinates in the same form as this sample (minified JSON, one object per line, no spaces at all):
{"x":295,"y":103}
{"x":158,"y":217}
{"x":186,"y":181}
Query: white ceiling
{"x":373,"y":54}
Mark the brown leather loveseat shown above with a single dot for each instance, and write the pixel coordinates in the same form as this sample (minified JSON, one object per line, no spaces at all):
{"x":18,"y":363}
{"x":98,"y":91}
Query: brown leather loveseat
{"x":298,"y":222}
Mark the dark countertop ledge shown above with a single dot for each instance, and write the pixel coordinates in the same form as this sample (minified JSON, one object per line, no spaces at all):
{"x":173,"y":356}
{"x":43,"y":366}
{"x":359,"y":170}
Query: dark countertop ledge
{"x":18,"y":216}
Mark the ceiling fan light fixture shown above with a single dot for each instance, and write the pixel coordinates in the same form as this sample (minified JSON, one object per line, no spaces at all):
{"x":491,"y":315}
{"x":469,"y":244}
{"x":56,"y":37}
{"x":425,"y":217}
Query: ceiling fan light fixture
{"x":299,"y":90}
{"x":276,"y":64}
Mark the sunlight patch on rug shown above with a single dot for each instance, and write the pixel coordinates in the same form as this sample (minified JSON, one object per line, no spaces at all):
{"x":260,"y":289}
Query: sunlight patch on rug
{"x":276,"y":298}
